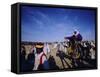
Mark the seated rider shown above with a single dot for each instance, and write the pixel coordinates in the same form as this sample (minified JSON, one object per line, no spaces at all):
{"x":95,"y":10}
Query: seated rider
{"x":75,"y":39}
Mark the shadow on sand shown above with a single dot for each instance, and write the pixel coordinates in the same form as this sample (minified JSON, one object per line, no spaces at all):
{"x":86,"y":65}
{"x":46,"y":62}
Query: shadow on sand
{"x":52,"y":63}
{"x":62,"y":57}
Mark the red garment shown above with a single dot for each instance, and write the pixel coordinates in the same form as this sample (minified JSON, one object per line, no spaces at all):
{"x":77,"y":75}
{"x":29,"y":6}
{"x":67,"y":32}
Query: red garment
{"x":41,"y":57}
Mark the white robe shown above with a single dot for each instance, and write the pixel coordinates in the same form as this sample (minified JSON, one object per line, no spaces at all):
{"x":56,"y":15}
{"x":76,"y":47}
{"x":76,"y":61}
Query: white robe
{"x":92,"y":53}
{"x":46,"y":48}
{"x":37,"y":60}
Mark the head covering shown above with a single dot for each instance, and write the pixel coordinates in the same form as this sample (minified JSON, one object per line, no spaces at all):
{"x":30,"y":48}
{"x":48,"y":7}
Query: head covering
{"x":39,"y":45}
{"x":76,"y":32}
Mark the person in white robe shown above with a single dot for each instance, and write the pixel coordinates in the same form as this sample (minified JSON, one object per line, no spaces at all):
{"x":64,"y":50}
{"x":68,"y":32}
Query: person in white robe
{"x":46,"y":48}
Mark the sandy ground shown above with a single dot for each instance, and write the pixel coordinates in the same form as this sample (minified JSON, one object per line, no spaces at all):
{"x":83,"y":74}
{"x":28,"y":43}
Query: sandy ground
{"x":58,"y":59}
{"x":61,"y":63}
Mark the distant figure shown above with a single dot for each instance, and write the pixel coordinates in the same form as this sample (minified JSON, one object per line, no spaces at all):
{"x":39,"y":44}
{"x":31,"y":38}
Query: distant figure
{"x":92,"y":53}
{"x":84,"y":50}
{"x":31,"y":58}
{"x":46,"y":48}
{"x":92,"y":50}
{"x":65,"y":47}
{"x":23,"y":62}
{"x":60,"y":47}
{"x":55,"y":45}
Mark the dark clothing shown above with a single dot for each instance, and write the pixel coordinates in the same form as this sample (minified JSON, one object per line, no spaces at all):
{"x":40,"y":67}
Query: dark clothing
{"x":79,"y":37}
{"x":31,"y":60}
{"x":45,"y":65}
{"x":23,"y":62}
{"x":74,"y":38}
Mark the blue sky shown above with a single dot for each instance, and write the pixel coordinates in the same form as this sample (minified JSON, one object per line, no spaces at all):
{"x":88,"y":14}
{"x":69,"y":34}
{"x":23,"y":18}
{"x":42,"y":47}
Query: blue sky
{"x":53,"y":24}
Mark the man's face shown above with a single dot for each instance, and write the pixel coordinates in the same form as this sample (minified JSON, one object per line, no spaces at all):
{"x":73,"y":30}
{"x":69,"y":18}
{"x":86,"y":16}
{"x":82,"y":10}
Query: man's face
{"x":75,"y":32}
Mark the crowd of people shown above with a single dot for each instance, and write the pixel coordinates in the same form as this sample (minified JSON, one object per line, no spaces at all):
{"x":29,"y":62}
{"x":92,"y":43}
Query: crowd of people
{"x":80,"y":53}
